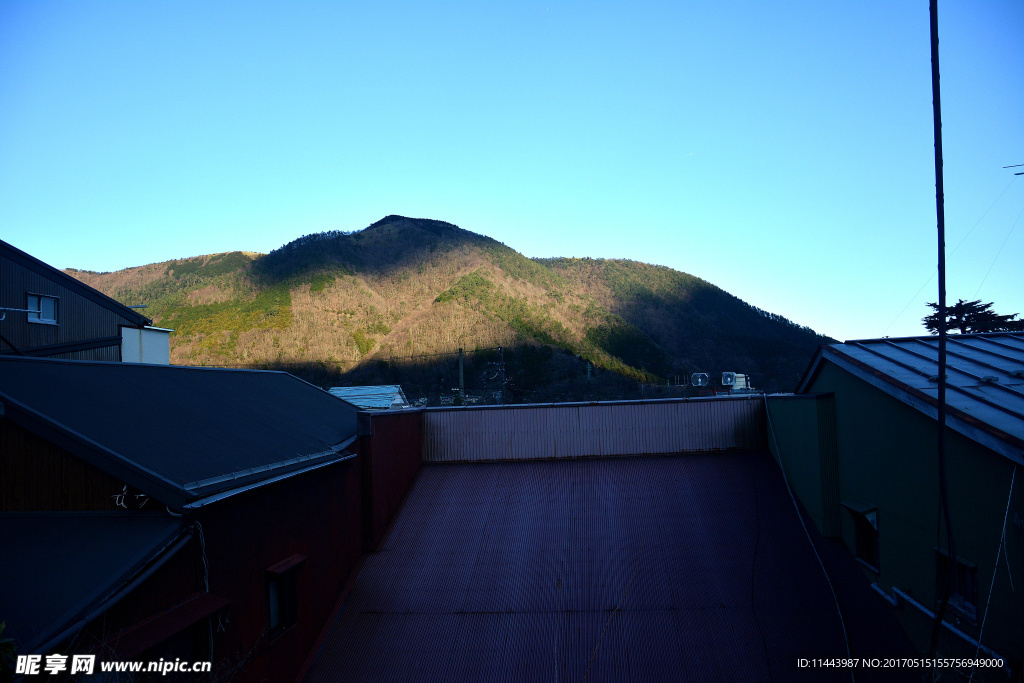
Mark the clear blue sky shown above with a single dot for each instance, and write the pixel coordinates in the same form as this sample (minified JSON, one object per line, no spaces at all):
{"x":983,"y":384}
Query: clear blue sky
{"x":782,"y":151}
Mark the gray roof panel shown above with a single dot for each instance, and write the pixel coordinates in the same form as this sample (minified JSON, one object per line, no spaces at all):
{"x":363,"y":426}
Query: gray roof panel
{"x":984,"y":380}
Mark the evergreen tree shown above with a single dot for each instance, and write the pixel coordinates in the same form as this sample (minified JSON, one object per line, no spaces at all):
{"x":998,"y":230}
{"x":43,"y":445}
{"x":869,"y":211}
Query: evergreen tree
{"x":972,"y":316}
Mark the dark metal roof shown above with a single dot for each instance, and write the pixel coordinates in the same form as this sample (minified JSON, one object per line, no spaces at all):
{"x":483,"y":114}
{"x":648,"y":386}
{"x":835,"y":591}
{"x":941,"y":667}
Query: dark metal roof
{"x":690,"y":567}
{"x":46,"y":270}
{"x":984,"y":380}
{"x":177,"y":433}
{"x":58,"y":565}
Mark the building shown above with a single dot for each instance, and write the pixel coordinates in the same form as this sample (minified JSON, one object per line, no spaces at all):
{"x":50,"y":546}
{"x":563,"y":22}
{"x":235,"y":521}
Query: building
{"x":859,"y":445}
{"x":163,"y":511}
{"x":286,"y":535}
{"x":381,"y":397}
{"x":44,"y":312}
{"x":633,"y":540}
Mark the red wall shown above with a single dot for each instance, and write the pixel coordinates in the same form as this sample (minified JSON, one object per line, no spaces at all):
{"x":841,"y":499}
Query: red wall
{"x":316,"y":515}
{"x":393,"y":455}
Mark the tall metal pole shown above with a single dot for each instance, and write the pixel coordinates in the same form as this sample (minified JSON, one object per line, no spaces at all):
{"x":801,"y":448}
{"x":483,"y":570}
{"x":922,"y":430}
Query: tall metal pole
{"x":501,"y":366}
{"x":941,"y":220}
{"x":462,"y":384}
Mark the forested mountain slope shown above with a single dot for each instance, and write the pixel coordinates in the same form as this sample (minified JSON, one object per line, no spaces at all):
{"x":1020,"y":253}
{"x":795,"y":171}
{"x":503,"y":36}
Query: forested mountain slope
{"x":404,"y":289}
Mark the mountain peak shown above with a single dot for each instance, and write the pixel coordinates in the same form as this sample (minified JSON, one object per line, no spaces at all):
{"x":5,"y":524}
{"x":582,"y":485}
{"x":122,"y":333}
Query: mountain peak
{"x":404,"y":289}
{"x":424,"y":223}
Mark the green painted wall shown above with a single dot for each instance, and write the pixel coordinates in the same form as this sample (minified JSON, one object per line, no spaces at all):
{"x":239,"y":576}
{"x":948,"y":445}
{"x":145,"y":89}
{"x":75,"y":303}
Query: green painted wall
{"x":801,"y":429}
{"x":887,"y":457}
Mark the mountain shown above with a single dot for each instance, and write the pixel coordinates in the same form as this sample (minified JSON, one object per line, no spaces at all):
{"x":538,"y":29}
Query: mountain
{"x":395,"y":301}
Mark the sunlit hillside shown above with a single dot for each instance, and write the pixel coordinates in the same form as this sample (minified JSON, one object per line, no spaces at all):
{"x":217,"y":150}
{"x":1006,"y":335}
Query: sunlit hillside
{"x":405,"y":289}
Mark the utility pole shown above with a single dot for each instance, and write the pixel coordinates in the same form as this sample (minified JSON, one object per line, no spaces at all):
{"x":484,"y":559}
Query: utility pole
{"x":462,"y":384}
{"x":941,"y":223}
{"x":501,"y":367}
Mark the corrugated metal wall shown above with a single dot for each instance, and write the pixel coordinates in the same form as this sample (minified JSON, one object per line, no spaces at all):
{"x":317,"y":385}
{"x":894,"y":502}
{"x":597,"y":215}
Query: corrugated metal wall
{"x":595,"y":429}
{"x":109,"y":353}
{"x":79,"y":319}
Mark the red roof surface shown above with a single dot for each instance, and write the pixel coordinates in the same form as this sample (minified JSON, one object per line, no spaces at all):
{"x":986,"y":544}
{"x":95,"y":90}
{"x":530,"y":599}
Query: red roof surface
{"x":689,"y":567}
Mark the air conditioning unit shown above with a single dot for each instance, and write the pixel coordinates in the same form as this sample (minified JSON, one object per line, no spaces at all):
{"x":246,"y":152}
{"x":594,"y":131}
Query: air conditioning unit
{"x":699,"y":379}
{"x":728,"y":379}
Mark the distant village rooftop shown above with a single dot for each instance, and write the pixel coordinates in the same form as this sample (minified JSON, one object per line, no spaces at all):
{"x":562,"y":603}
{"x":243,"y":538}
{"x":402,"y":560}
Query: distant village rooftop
{"x":379,"y":397}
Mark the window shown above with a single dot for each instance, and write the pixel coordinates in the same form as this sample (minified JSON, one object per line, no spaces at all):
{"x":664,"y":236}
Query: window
{"x":865,"y":529}
{"x":42,"y":309}
{"x":963,"y":598}
{"x":282,"y":594}
{"x":867,"y":537}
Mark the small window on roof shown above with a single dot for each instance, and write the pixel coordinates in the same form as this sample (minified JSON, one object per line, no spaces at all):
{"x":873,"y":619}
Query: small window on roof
{"x":42,"y":309}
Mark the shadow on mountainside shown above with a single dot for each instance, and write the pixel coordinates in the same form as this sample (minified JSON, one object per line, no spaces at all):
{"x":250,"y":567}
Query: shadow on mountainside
{"x":389,"y":246}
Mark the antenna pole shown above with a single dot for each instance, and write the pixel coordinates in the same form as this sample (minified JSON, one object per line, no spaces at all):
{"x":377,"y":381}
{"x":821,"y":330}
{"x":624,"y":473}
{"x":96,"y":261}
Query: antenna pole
{"x":462,"y":384}
{"x":941,"y":223}
{"x":501,"y":365}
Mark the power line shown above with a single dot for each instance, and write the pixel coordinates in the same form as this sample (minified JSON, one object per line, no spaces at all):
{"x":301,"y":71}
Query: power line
{"x":962,"y":240}
{"x":1012,"y":228}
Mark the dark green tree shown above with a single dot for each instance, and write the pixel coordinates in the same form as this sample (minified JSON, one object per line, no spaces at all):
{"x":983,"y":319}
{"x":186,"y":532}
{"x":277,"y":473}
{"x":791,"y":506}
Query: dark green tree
{"x":972,"y":316}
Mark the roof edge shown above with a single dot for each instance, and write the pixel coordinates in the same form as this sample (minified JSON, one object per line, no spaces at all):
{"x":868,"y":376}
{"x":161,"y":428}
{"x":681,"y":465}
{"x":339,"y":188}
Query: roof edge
{"x":969,"y":426}
{"x":217,"y":497}
{"x":811,"y":370}
{"x":935,"y":337}
{"x":171,"y":367}
{"x":95,"y":454}
{"x":274,"y":471}
{"x":171,"y":544}
{"x":64,"y":347}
